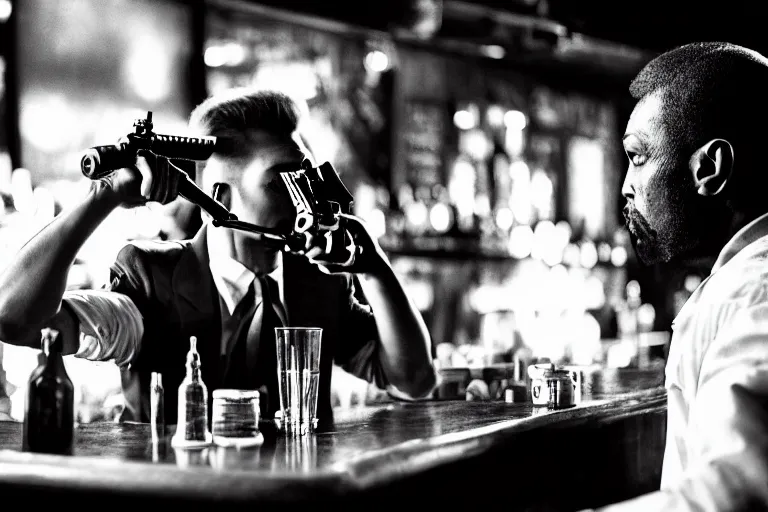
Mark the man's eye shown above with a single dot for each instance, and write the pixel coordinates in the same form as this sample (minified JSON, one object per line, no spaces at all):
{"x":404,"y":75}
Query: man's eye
{"x":275,"y":186}
{"x":636,"y":159}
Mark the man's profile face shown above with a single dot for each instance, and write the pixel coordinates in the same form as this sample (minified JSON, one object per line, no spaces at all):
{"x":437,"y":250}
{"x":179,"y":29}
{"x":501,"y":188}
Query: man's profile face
{"x":258,"y":194}
{"x":665,"y":216}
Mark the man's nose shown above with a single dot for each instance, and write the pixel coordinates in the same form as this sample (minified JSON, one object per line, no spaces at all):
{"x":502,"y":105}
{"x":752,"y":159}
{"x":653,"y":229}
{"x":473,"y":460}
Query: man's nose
{"x":628,"y":189}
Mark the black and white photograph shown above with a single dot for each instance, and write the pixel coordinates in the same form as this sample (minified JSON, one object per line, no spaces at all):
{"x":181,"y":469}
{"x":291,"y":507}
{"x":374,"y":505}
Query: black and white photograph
{"x":455,"y":254}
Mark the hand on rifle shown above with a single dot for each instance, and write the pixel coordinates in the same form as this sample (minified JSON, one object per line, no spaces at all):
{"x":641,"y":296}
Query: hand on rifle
{"x":366,"y":256}
{"x":152,"y":179}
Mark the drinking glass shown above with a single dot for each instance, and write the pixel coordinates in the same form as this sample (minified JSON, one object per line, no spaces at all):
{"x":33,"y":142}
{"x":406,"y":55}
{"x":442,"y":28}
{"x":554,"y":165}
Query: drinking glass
{"x":298,"y":372}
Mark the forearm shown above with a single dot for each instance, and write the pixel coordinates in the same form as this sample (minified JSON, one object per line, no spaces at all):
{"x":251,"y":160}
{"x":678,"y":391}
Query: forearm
{"x":406,"y":354}
{"x":32,"y":285}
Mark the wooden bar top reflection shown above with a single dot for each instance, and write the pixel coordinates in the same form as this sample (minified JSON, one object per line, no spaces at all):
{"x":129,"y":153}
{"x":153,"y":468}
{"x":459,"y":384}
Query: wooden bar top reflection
{"x":378,"y":451}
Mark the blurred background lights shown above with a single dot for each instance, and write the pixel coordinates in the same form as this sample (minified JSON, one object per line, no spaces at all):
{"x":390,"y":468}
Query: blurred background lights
{"x":377,"y":61}
{"x":461,"y":188}
{"x":147,"y":69}
{"x":541,"y":193}
{"x":558,"y":274}
{"x":224,"y":54}
{"x":296,"y":79}
{"x":440,"y":217}
{"x":416,"y":213}
{"x":214,"y":56}
{"x":504,"y":218}
{"x":49,"y":122}
{"x":464,"y":120}
{"x":588,"y":257}
{"x":521,"y":242}
{"x":646,"y":316}
{"x":618,"y":256}
{"x":633,"y":290}
{"x":691,"y":282}
{"x":482,"y":206}
{"x":562,"y":234}
{"x":5,"y":10}
{"x":604,"y":252}
{"x":377,"y":223}
{"x":594,"y":293}
{"x":542,"y":237}
{"x":476,"y":144}
{"x":515,"y":120}
{"x":493,"y":51}
{"x":495,"y":115}
{"x":572,"y":255}
{"x":519,"y":171}
{"x":544,"y":230}
{"x":520,"y":198}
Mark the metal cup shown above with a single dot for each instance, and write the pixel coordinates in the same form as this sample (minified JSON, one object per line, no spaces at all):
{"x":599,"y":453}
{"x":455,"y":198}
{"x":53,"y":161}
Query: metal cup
{"x":235,"y":418}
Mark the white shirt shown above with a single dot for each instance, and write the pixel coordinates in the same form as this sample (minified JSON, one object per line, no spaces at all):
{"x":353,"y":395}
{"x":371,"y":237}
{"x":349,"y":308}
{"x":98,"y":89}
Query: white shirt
{"x":233,"y":279}
{"x":716,"y":455}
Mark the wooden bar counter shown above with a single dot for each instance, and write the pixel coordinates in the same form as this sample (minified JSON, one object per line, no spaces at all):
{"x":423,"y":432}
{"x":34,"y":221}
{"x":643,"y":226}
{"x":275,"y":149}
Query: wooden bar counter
{"x":516,"y":456}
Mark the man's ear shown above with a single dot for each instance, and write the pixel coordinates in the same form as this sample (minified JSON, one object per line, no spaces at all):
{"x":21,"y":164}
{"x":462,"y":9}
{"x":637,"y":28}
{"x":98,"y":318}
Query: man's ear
{"x":222,"y":193}
{"x":712,"y":166}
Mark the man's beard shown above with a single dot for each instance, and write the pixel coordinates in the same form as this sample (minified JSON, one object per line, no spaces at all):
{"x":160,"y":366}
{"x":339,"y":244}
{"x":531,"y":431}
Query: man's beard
{"x":691,"y":228}
{"x":645,"y":239}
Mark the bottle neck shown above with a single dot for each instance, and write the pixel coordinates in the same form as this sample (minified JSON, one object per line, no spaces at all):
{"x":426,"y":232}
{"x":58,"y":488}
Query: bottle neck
{"x":55,"y":361}
{"x":193,"y":373}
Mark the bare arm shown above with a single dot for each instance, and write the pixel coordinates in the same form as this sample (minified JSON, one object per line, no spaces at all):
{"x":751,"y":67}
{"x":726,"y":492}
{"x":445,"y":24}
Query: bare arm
{"x":406,"y":349}
{"x":406,"y":354}
{"x":32,"y":285}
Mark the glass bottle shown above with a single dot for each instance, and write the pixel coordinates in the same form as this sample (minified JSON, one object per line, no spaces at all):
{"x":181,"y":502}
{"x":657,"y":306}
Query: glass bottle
{"x":49,"y":416}
{"x":192,"y":418}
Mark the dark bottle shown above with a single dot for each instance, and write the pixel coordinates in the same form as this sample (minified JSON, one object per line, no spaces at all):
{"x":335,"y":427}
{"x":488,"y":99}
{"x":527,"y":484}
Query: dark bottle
{"x":50,"y":407}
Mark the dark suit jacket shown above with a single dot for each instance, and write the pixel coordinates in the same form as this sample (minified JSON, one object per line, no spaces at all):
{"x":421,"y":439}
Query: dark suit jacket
{"x":172,"y":286}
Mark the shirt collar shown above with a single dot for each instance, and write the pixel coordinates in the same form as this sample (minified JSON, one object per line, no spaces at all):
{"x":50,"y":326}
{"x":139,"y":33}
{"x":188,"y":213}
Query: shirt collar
{"x":232,"y":278}
{"x":756,"y":229}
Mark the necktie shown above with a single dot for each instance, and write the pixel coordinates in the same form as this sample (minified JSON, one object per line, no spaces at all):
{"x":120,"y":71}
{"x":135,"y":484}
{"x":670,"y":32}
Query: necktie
{"x":265,"y":319}
{"x":274,"y":300}
{"x":232,"y":362}
{"x":261,"y":363}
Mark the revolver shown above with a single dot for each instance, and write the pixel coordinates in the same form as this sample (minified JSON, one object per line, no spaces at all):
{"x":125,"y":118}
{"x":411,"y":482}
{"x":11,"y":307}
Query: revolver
{"x":317,"y":193}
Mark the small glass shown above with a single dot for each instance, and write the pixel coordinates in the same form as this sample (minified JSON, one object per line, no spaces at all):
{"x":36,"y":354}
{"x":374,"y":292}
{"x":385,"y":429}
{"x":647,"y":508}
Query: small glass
{"x":298,"y":367}
{"x":235,"y":418}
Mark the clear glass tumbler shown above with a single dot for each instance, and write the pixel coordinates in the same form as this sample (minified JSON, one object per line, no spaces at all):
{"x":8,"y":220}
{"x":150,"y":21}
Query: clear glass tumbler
{"x":298,"y":367}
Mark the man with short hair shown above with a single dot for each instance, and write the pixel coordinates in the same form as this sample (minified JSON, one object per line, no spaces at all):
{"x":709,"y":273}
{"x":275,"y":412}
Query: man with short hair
{"x":696,"y":188}
{"x":211,"y":287}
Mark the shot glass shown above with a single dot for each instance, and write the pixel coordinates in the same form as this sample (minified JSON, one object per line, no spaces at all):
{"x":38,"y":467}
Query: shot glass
{"x":298,"y":373}
{"x":235,"y":418}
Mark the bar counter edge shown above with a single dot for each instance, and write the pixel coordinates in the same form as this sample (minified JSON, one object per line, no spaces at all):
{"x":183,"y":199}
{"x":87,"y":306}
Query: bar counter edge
{"x":554,"y":444}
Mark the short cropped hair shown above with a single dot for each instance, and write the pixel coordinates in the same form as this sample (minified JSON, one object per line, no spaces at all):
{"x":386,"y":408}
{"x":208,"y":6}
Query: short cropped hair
{"x":236,"y":114}
{"x":710,"y":90}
